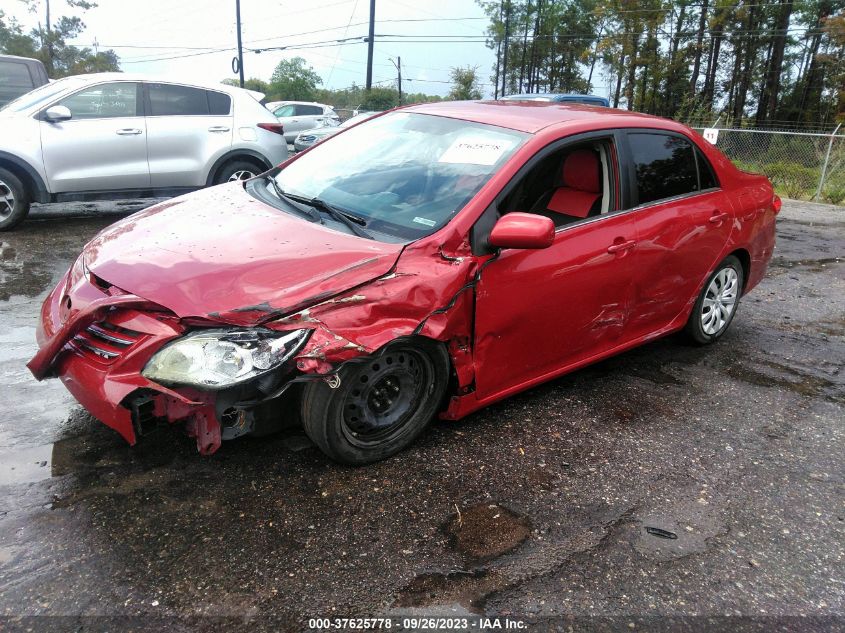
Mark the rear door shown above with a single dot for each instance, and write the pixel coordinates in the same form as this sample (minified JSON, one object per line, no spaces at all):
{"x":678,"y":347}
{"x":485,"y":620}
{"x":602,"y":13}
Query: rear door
{"x":103,"y":146}
{"x":310,"y":116}
{"x":188,"y":128}
{"x":683,"y":222}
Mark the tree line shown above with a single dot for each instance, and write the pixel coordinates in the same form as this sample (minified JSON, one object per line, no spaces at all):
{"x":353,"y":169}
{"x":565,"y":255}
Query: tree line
{"x":767,"y":63}
{"x":48,"y":41}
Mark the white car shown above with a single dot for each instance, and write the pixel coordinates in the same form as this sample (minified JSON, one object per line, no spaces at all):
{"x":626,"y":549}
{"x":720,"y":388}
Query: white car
{"x":298,"y":116}
{"x":116,"y":135}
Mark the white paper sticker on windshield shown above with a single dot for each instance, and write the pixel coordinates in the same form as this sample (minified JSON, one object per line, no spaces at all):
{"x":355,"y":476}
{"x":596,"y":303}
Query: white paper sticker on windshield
{"x":425,"y":221}
{"x":475,"y":151}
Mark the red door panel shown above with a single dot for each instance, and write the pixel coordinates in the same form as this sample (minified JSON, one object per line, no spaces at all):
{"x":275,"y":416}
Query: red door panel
{"x":679,"y":242}
{"x":538,"y":311}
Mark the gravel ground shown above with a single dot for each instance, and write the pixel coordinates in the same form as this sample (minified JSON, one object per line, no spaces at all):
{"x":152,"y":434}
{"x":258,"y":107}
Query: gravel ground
{"x":669,"y":487}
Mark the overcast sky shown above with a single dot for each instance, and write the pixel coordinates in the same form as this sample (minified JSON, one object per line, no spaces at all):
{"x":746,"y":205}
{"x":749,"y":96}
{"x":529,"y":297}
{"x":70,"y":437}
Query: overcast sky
{"x":144,"y":32}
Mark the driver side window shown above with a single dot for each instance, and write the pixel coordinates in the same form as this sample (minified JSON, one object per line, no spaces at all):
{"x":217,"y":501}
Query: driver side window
{"x":569,"y":185}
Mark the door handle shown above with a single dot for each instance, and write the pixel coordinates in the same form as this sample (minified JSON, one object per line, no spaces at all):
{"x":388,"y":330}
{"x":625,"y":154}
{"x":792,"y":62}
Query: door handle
{"x":618,"y":247}
{"x":718,"y":217}
{"x":128,"y":131}
{"x":218,"y":128}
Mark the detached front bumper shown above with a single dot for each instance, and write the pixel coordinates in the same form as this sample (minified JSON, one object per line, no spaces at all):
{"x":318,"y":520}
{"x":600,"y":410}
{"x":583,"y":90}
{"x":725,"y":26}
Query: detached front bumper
{"x":97,"y":341}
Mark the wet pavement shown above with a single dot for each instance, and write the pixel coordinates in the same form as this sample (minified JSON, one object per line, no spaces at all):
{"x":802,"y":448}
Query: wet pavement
{"x":669,"y":481}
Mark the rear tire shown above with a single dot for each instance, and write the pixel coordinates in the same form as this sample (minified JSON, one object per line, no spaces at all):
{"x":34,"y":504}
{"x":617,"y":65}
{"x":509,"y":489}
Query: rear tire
{"x":14,"y":200}
{"x":717,"y":304}
{"x":237,"y":170}
{"x":382,"y":404}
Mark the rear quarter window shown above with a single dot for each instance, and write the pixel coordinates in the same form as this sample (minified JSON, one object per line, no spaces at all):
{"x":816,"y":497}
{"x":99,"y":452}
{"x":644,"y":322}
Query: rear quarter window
{"x":219,"y":103}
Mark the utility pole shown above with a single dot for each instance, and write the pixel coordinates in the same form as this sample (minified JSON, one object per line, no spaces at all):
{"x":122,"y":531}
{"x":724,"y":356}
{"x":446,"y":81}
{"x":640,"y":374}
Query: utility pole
{"x":240,"y":44}
{"x":370,"y":44}
{"x":505,"y":56}
{"x":398,"y":64}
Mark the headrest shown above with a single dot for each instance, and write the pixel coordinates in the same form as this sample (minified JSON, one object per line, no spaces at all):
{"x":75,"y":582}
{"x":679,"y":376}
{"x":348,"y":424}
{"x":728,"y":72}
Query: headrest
{"x":581,"y":171}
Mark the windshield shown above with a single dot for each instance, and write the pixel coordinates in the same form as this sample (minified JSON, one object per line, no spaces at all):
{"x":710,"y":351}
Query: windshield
{"x":42,"y":95}
{"x":404,"y":174}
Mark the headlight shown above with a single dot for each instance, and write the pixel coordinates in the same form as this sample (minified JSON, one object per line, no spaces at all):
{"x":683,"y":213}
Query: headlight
{"x":214,"y":359}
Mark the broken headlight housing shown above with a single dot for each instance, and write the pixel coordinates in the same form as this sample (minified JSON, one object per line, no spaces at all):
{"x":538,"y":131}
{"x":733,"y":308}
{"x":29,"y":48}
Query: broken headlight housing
{"x":215,"y":359}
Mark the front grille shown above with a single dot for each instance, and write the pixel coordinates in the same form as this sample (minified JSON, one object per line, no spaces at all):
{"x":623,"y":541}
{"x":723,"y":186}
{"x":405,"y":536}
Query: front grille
{"x":106,"y":340}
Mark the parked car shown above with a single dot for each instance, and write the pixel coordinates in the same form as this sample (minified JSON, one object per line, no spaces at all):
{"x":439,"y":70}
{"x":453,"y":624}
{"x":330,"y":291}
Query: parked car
{"x":114,"y":135}
{"x":19,"y":75}
{"x":297,"y":116}
{"x":432,"y":260}
{"x":309,"y":137}
{"x":560,"y":98}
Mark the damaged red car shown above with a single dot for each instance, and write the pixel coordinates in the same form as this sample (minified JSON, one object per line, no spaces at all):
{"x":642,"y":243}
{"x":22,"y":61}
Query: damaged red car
{"x":429,"y":261}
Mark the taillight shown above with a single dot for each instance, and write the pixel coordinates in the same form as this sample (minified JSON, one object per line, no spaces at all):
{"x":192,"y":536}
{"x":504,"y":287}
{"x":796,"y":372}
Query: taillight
{"x":276,"y":128}
{"x":776,"y":204}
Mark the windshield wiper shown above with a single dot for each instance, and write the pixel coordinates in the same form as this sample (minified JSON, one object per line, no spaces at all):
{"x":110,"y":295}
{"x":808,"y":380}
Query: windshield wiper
{"x":294,"y":203}
{"x":353,"y":222}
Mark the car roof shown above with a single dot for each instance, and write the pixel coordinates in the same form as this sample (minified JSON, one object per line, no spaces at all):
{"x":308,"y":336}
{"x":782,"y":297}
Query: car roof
{"x":554,"y":95}
{"x":169,"y":79}
{"x":533,"y":116}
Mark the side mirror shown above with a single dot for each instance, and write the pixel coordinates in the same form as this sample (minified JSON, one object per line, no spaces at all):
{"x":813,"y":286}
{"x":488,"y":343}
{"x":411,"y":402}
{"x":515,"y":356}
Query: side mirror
{"x":57,"y":113}
{"x":522,"y":230}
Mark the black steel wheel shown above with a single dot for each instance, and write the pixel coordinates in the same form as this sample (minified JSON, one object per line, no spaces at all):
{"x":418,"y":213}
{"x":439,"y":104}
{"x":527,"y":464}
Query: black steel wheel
{"x":382,"y":404}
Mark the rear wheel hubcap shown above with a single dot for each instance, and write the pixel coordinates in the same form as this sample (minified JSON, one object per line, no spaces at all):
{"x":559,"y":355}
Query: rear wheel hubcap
{"x":720,"y":301}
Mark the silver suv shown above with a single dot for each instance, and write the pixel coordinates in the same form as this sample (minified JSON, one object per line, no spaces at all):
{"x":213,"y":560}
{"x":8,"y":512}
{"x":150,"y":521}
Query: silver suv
{"x":113,"y":135}
{"x":298,"y":116}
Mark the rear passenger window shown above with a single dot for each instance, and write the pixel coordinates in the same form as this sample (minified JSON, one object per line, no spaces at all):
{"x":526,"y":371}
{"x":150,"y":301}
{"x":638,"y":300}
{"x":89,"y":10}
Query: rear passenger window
{"x":15,"y":74}
{"x":171,"y":100}
{"x":665,"y":166}
{"x":308,"y":110}
{"x":218,"y":103}
{"x":706,"y":177}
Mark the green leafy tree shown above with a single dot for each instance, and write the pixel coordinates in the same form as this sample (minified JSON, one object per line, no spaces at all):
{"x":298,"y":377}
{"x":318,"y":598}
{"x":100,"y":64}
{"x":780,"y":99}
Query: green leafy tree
{"x":465,"y":84}
{"x":378,"y":99}
{"x":294,"y":80}
{"x":253,"y":83}
{"x":48,"y":41}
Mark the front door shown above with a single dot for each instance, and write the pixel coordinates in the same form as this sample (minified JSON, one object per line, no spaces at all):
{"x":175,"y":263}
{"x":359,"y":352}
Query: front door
{"x":539,"y":311}
{"x":103,"y":146}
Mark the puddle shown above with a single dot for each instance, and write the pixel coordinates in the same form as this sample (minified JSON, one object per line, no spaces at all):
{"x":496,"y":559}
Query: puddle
{"x":25,"y":465}
{"x":771,"y":374}
{"x":485,"y":531}
{"x":467,"y":589}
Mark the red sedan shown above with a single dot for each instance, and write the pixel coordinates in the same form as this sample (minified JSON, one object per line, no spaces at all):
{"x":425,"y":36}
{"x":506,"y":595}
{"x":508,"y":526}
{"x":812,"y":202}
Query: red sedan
{"x":431,"y":260}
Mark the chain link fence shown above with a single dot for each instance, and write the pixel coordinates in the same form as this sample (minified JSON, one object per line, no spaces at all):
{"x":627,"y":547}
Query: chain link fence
{"x":801,"y":165}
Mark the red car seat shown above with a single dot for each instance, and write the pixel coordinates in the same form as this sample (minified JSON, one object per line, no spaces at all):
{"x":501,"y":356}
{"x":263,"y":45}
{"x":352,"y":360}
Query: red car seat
{"x":580,"y":185}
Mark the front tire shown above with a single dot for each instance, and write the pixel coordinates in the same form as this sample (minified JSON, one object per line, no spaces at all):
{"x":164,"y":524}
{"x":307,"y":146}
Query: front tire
{"x":14,"y":200}
{"x":717,"y":304}
{"x":382,"y":404}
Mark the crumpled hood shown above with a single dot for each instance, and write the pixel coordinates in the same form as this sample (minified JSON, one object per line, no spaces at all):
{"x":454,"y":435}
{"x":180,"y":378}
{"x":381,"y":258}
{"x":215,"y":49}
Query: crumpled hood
{"x":222,"y":254}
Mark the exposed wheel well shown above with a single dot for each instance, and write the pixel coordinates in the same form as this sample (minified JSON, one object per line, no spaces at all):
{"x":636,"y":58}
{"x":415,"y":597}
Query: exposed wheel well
{"x":745,"y":259}
{"x":260,"y":163}
{"x":25,"y":178}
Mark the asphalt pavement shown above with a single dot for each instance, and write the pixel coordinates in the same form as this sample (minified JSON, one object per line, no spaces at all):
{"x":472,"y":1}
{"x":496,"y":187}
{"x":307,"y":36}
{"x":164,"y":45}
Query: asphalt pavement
{"x":670,"y":486}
